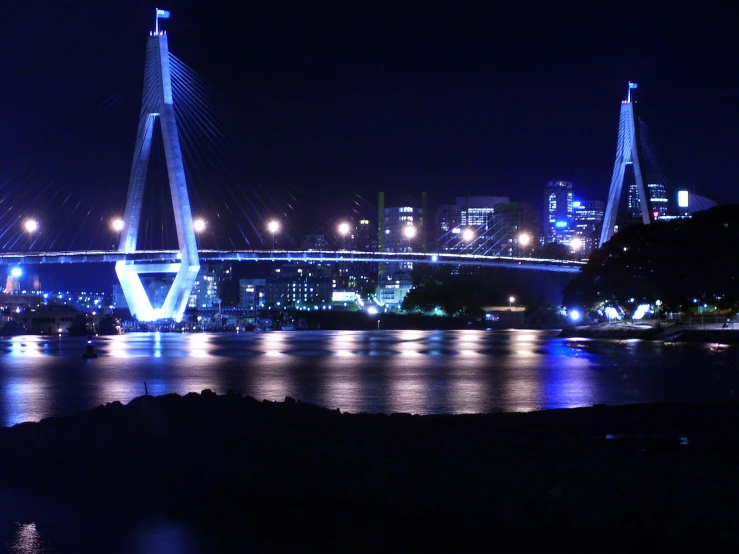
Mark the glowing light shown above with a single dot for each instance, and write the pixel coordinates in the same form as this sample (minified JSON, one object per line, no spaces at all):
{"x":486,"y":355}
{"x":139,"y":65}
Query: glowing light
{"x":468,"y":235}
{"x":524,"y":239}
{"x":560,"y":224}
{"x":30,"y":225}
{"x":344,"y":229}
{"x":641,"y":311}
{"x":409,"y":231}
{"x":117,"y":225}
{"x":372,"y":310}
{"x":683,"y":198}
{"x":273,"y":226}
{"x":199,"y":225}
{"x":16,"y":272}
{"x":574,"y":315}
{"x":612,"y":313}
{"x":576,"y":243}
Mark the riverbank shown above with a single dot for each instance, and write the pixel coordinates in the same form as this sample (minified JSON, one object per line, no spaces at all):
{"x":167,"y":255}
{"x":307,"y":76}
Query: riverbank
{"x":665,"y":333}
{"x":280,"y":476}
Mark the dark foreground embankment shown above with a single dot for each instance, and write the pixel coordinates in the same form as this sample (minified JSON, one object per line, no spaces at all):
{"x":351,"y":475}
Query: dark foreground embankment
{"x":294,"y":476}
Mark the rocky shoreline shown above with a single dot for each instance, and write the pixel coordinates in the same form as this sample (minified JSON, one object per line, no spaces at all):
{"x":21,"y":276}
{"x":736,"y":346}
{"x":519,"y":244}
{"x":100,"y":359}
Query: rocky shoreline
{"x":284,"y":475}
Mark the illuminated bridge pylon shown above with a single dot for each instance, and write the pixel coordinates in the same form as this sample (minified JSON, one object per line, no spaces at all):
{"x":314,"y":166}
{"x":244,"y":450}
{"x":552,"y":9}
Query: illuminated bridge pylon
{"x":157,"y":102}
{"x":628,"y":152}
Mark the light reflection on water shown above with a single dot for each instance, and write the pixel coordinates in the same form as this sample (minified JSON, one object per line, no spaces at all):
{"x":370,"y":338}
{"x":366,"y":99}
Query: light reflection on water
{"x":375,"y":371}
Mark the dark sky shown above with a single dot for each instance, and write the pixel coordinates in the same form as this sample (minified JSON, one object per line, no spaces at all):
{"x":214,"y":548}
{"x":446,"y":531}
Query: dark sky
{"x":398,"y":97}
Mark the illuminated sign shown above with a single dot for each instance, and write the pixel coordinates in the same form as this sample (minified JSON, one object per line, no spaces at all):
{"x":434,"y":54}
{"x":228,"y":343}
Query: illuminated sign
{"x":560,"y":224}
{"x":682,"y":198}
{"x":576,"y":204}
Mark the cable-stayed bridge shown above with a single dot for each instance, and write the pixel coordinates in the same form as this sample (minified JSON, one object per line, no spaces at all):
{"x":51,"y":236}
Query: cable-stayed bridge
{"x":171,"y":95}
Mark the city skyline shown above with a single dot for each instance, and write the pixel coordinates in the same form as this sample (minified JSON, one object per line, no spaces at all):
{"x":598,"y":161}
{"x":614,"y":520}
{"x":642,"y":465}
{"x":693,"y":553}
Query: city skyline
{"x":368,"y":103}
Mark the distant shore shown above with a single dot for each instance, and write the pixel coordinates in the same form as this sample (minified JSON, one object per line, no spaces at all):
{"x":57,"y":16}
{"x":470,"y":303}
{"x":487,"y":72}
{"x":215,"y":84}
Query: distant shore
{"x":280,"y":476}
{"x":668,"y":333}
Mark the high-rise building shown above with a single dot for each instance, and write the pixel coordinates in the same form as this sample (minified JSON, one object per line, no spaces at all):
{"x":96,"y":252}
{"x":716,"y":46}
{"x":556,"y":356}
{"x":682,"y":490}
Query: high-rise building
{"x":252,"y":296}
{"x":365,"y":238}
{"x":470,"y":216}
{"x":403,"y":229}
{"x":508,"y":232}
{"x":559,"y":221}
{"x":314,"y":242}
{"x":588,"y":219}
{"x":208,"y":287}
{"x":657,"y":201}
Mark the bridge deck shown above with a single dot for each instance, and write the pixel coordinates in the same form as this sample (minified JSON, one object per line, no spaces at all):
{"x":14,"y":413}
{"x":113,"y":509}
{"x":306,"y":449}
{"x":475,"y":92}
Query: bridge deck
{"x":103,"y":256}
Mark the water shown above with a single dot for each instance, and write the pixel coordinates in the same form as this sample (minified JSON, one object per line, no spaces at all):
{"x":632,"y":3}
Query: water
{"x":422,"y":372}
{"x":376,"y":371}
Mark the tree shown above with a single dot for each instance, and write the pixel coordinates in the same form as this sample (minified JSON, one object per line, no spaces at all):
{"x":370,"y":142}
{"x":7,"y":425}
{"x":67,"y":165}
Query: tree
{"x":672,"y":261}
{"x":552,"y":251}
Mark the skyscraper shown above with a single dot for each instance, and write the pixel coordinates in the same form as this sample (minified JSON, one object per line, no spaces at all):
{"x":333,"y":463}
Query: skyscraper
{"x":558,"y":210}
{"x":588,"y":219}
{"x":657,"y":201}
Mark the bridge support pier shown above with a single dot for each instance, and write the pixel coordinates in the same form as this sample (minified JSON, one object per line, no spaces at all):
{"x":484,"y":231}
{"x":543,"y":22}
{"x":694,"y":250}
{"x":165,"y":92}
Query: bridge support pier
{"x":628,"y":152}
{"x":157,"y":102}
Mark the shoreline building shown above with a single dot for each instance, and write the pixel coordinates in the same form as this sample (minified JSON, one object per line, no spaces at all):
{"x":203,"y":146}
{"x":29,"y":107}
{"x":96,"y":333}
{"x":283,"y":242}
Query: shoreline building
{"x":401,"y":229}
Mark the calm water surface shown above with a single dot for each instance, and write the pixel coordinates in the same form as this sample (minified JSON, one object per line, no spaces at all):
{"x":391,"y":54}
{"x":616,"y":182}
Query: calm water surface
{"x":374,"y":371}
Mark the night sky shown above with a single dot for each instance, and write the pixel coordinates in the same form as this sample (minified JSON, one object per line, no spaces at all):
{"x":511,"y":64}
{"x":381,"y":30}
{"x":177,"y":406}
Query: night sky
{"x":327,"y":107}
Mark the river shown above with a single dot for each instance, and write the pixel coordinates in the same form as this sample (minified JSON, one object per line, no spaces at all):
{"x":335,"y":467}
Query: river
{"x":422,"y":372}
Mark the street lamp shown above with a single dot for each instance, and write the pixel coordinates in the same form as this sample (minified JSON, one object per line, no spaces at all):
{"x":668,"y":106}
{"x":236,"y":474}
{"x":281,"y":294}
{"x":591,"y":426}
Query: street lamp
{"x":30,"y":225}
{"x":273,"y":227}
{"x":344,"y":229}
{"x":524,"y":239}
{"x":468,"y":235}
{"x":511,"y":300}
{"x":117,"y":225}
{"x":576,"y":244}
{"x":16,"y":273}
{"x":199,"y":225}
{"x":409,"y":231}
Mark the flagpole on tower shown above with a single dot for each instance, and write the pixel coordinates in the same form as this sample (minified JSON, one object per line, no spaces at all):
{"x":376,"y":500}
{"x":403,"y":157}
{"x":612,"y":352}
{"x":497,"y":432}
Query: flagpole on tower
{"x":160,"y":14}
{"x":631,"y":86}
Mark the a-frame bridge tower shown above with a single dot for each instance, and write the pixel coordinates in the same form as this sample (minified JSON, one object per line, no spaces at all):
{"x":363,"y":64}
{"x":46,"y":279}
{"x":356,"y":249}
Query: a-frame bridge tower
{"x":158,"y":103}
{"x":628,"y":152}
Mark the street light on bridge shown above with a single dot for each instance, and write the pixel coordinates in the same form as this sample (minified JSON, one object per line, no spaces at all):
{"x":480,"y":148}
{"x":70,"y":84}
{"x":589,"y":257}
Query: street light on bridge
{"x":30,"y":225}
{"x":344,"y":229}
{"x":117,"y":225}
{"x":199,"y":225}
{"x":16,"y":273}
{"x":468,"y":235}
{"x":273,"y":227}
{"x":524,"y":239}
{"x":409,"y":231}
